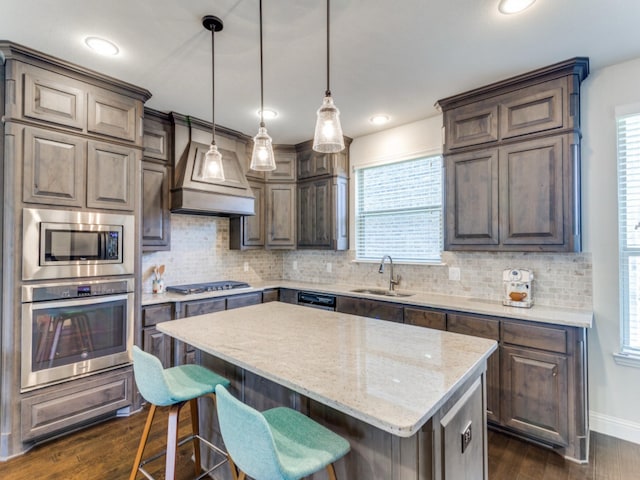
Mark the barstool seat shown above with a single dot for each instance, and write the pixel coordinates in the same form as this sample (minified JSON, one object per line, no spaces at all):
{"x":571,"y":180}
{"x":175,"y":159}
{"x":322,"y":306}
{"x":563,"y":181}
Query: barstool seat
{"x":277,"y":444}
{"x":173,"y":387}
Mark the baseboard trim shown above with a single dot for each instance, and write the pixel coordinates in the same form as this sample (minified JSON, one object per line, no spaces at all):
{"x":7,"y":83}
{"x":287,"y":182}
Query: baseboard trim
{"x":615,"y":427}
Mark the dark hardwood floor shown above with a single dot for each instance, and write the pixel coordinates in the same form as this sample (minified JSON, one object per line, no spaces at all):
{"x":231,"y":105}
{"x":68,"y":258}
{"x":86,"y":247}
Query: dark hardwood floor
{"x":106,"y":452}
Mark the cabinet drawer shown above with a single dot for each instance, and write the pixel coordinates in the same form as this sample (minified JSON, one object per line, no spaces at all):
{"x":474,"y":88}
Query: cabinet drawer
{"x":425,"y":318}
{"x":476,"y":326}
{"x":534,"y":336}
{"x":270,"y":295}
{"x":370,"y":308}
{"x":200,"y":307}
{"x":59,"y":408}
{"x":288,"y":296}
{"x":156,"y":313}
{"x":238,"y":301}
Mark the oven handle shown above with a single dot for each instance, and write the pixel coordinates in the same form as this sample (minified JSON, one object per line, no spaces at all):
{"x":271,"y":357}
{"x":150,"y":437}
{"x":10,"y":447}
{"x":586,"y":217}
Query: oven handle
{"x":78,"y":302}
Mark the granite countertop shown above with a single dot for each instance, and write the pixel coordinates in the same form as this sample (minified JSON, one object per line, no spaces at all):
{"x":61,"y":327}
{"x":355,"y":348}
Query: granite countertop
{"x":538,"y":313}
{"x":392,"y":376}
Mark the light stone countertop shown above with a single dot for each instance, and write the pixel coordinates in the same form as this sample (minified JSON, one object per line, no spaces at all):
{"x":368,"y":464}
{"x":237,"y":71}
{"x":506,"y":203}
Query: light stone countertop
{"x":392,"y":376}
{"x":538,"y":313}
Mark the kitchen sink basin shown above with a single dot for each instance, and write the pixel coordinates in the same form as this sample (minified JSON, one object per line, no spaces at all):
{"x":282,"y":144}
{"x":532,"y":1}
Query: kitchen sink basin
{"x":380,"y":291}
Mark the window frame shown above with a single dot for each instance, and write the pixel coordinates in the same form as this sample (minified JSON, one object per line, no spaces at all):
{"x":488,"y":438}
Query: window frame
{"x":427,"y":156}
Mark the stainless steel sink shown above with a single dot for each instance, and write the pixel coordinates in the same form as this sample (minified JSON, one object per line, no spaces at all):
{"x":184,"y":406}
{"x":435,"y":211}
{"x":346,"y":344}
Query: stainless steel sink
{"x":382,"y":292}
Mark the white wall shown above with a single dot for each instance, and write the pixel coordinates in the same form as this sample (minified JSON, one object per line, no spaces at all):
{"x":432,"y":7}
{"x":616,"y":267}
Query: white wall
{"x":614,"y":389}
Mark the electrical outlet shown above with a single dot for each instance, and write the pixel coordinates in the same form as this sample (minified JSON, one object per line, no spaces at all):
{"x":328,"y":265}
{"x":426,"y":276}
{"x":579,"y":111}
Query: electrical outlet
{"x":295,"y":264}
{"x":329,"y":267}
{"x":454,"y":274}
{"x":246,"y":266}
{"x":466,"y":437}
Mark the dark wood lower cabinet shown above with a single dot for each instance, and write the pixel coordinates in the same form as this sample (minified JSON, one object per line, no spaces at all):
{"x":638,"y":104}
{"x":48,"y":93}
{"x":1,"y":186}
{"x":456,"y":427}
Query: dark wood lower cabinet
{"x":244,"y":300}
{"x":535,"y":393}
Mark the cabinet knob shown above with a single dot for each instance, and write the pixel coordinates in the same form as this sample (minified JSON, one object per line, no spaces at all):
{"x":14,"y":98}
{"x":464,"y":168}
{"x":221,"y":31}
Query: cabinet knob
{"x":554,"y":372}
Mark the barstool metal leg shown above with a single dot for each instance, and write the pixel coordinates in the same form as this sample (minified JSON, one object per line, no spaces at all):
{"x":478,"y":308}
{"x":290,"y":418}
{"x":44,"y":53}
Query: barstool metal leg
{"x":143,"y":442}
{"x":195,"y":428}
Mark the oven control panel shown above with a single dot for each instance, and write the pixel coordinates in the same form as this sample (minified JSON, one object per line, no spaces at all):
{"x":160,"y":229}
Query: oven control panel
{"x":40,"y":293}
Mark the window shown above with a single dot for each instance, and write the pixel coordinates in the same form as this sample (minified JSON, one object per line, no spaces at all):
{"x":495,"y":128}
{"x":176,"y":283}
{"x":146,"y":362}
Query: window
{"x":629,"y":229}
{"x":399,"y":211}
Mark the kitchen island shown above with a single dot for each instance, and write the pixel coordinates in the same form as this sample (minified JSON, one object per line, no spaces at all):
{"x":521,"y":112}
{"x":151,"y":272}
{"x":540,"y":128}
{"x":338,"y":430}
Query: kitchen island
{"x":411,"y":401}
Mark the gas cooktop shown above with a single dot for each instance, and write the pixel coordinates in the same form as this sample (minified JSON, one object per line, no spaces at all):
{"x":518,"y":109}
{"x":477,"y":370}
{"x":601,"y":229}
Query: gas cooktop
{"x":207,"y":287}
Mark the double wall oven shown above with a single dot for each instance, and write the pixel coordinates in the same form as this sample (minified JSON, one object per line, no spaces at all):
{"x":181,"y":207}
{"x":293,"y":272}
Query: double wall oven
{"x":77,"y":294}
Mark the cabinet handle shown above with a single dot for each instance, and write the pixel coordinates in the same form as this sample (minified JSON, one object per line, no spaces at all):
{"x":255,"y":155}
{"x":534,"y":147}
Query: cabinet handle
{"x":554,"y":372}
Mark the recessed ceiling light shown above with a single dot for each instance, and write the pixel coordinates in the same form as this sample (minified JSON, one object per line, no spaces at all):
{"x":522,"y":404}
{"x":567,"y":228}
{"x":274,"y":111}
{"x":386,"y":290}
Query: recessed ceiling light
{"x":379,"y":119}
{"x":101,"y":46}
{"x":268,"y":114}
{"x":514,"y":6}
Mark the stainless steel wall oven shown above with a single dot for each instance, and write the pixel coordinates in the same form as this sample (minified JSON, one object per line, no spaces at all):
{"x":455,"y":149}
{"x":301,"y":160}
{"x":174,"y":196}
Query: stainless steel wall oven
{"x":66,"y":244}
{"x":74,"y":329}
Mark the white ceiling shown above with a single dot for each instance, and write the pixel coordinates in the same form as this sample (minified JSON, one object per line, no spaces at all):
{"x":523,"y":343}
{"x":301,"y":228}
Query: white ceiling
{"x":393,"y":56}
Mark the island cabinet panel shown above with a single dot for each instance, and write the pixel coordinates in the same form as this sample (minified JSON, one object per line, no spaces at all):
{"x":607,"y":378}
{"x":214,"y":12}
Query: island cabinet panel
{"x":423,"y":317}
{"x":535,"y":393}
{"x":244,"y":300}
{"x":463,"y":438}
{"x":55,"y":409}
{"x":54,"y":167}
{"x":370,"y":308}
{"x":486,"y":328}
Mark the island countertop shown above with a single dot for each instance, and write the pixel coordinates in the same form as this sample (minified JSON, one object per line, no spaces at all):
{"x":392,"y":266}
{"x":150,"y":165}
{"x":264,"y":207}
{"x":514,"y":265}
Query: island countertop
{"x":392,"y":376}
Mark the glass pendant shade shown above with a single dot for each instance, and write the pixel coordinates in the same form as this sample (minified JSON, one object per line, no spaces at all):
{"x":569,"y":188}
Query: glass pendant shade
{"x":262,"y":158}
{"x":213,"y":170}
{"x":328,"y":135}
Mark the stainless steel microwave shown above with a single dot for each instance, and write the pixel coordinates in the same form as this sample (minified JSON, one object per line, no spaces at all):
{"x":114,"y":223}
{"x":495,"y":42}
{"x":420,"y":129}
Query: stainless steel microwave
{"x":67,"y":244}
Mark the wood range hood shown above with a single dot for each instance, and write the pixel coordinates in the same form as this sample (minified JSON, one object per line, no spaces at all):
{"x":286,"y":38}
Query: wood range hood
{"x":190,"y":193}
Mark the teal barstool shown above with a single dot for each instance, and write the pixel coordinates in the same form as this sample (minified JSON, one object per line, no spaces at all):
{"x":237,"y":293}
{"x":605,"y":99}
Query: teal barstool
{"x":173,"y":387}
{"x":277,"y":444}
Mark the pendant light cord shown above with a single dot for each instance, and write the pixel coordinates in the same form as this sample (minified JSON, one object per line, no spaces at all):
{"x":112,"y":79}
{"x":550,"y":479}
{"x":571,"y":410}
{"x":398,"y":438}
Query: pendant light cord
{"x":261,"y":74}
{"x":213,"y":88}
{"x":328,"y":92}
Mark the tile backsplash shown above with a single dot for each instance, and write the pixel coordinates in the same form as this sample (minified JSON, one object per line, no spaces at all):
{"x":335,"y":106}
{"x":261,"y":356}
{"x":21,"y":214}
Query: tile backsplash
{"x":200,"y":253}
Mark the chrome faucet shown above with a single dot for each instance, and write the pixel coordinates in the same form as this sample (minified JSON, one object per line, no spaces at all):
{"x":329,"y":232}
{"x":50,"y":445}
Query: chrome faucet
{"x":393,"y":281}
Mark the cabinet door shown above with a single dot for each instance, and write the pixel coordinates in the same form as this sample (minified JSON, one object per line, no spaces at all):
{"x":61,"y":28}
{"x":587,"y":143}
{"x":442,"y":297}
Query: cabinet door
{"x":535,"y":393}
{"x":425,"y":318}
{"x":471,"y":124}
{"x":49,"y":97}
{"x":112,"y":115}
{"x":54,"y":168}
{"x":471,"y":200}
{"x":532,"y":191}
{"x":153,"y":314}
{"x":156,"y":219}
{"x":253,"y":234}
{"x":156,"y":138}
{"x":313,"y":164}
{"x":370,"y":308}
{"x":111,"y":176}
{"x":305,"y":214}
{"x":485,"y":328}
{"x":285,"y":167}
{"x":157,"y":344}
{"x":281,"y":215}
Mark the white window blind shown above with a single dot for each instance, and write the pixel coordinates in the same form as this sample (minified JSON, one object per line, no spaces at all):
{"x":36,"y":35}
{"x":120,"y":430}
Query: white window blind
{"x":399,"y":211}
{"x":628,"y":127}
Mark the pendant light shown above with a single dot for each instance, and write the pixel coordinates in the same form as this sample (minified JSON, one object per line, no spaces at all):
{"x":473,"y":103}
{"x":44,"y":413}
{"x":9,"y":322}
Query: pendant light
{"x":328,"y":135}
{"x":213,"y":170}
{"x":262,"y":158}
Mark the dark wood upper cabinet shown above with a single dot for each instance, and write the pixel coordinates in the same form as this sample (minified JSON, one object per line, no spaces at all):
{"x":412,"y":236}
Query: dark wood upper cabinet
{"x":512,"y":162}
